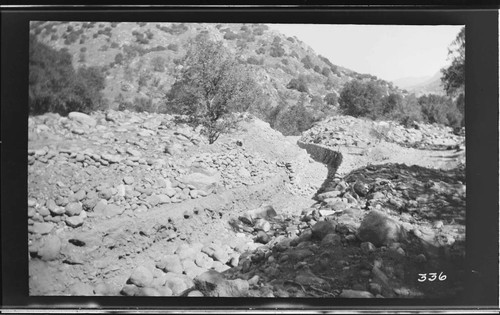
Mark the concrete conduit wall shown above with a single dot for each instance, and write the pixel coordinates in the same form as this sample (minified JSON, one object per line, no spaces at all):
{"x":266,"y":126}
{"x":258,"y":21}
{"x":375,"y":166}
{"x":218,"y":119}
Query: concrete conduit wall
{"x":323,"y":154}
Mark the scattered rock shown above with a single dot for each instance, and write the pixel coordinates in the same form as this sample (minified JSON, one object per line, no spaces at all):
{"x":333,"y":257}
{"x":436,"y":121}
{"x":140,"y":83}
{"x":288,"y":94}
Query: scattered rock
{"x":201,"y":181}
{"x":349,"y":294}
{"x":212,"y":283}
{"x":73,"y":208}
{"x":141,"y":277}
{"x":323,"y":228}
{"x":379,"y":229}
{"x":82,"y":118}
{"x":74,"y":221}
{"x":42,"y":228}
{"x":50,"y":248}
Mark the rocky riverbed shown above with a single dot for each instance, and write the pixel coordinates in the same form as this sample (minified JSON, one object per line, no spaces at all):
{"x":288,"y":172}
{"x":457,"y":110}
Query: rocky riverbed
{"x":124,"y":203}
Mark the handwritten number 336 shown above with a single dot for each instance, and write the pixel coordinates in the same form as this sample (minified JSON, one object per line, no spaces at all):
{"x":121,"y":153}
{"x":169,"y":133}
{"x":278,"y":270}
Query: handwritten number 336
{"x":432,"y":276}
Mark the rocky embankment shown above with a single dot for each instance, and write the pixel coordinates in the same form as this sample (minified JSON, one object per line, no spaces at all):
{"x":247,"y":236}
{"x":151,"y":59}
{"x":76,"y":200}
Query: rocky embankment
{"x":353,"y":132}
{"x":136,"y":204}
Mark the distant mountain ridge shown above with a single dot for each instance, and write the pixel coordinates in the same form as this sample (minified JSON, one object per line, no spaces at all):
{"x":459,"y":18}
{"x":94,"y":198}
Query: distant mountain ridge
{"x":422,"y":85}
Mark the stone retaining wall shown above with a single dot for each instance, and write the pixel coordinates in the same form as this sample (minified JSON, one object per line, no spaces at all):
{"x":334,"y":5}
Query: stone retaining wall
{"x":323,"y":154}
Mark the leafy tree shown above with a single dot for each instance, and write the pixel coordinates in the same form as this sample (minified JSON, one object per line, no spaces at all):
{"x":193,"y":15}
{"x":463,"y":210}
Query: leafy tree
{"x":453,"y":77}
{"x":294,"y":119}
{"x":211,"y":86}
{"x":440,"y":109}
{"x":391,"y":102}
{"x":407,"y":111}
{"x":55,"y":86}
{"x":359,"y":98}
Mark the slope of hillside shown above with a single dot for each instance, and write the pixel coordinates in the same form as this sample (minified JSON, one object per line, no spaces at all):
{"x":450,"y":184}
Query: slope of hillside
{"x":141,"y":61}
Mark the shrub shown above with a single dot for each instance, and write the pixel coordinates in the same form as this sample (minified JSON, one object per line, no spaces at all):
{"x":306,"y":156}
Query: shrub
{"x":277,"y":50}
{"x":144,"y":77}
{"x":259,"y":29}
{"x":326,"y":60}
{"x":158,"y":64}
{"x":331,"y":99}
{"x":290,"y":39}
{"x":254,"y":61}
{"x":292,"y":121}
{"x":260,"y":51}
{"x":54,"y":37}
{"x":230,"y":35}
{"x":82,"y":57}
{"x":141,"y":24}
{"x":241,"y":44}
{"x":157,"y":48}
{"x":326,"y":71}
{"x":391,"y":102}
{"x":317,"y":69}
{"x":306,"y":61}
{"x":440,"y":109}
{"x":55,"y":86}
{"x":114,"y":45}
{"x":173,"y":47}
{"x":407,"y":111}
{"x":71,"y":38}
{"x":299,"y":84}
{"x":360,"y":98}
{"x":143,"y":104}
{"x":119,"y":58}
{"x":284,"y":61}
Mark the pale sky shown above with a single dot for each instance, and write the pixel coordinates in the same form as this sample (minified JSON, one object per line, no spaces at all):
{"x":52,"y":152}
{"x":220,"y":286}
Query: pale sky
{"x":387,"y":51}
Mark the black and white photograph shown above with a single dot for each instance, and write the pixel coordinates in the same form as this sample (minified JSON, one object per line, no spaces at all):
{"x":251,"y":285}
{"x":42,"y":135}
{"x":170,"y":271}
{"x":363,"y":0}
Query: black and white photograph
{"x":190,"y":160}
{"x":234,"y":160}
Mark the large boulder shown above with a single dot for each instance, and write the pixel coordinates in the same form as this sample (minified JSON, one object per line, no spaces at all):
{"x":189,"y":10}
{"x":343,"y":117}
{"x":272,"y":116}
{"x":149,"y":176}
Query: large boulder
{"x":141,"y":277}
{"x":82,"y":118}
{"x":212,"y":283}
{"x":51,"y":246}
{"x":379,"y":229}
{"x":264,"y":212}
{"x":323,"y":228}
{"x":201,"y":181}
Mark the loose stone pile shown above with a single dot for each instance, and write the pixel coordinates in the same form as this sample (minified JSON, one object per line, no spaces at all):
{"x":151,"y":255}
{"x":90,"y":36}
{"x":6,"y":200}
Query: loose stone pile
{"x":110,"y":168}
{"x":366,"y":237}
{"x":350,"y":131}
{"x":369,"y":234}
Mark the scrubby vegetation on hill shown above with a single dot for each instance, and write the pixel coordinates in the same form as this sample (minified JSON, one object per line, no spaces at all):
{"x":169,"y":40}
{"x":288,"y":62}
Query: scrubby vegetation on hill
{"x":55,"y":86}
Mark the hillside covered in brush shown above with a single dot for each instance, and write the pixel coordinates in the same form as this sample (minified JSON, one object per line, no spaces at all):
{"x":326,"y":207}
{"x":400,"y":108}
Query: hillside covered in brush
{"x":142,"y":60}
{"x":136,"y":64}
